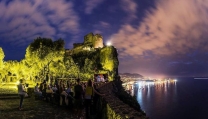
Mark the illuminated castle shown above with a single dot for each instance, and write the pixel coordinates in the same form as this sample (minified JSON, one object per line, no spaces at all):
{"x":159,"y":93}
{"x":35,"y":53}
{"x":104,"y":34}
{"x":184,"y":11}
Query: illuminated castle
{"x":91,"y":41}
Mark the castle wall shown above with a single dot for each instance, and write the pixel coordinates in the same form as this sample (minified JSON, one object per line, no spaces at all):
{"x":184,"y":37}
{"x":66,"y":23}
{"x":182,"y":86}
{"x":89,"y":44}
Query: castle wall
{"x":98,"y":43}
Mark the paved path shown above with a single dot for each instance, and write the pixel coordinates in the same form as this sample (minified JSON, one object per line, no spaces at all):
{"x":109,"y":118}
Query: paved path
{"x":33,"y":109}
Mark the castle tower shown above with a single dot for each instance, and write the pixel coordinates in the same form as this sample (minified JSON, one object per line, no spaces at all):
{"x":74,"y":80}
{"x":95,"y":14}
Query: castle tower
{"x":98,"y":43}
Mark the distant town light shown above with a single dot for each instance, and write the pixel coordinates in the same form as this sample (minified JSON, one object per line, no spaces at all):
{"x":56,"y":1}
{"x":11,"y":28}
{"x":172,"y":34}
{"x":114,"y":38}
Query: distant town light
{"x":109,"y":43}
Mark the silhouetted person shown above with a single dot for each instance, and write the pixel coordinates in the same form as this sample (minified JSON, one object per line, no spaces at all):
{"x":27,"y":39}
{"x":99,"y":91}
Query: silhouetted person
{"x":37,"y":91}
{"x":79,"y":92}
{"x":89,"y":92}
{"x":21,"y":92}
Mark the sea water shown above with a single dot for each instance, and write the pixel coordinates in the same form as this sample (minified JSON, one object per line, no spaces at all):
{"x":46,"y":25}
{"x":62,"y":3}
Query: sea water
{"x":186,"y":98}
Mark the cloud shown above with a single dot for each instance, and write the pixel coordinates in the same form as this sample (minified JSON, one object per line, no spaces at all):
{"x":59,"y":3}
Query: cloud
{"x":130,"y":7}
{"x":22,"y":21}
{"x":91,"y":4}
{"x":104,"y":24}
{"x":173,"y":27}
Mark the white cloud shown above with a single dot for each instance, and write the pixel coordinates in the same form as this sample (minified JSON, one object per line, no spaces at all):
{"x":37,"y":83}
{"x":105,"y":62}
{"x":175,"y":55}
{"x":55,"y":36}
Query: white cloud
{"x":92,"y":4}
{"x":174,"y":27}
{"x":22,"y":19}
{"x":104,"y":24}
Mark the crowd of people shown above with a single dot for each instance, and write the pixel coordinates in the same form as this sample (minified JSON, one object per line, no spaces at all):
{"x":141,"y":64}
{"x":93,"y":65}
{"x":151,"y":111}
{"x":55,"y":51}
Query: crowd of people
{"x":77,"y":95}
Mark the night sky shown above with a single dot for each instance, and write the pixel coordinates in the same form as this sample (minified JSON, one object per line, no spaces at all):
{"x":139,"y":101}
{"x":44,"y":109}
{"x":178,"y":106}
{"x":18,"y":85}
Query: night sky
{"x":153,"y":37}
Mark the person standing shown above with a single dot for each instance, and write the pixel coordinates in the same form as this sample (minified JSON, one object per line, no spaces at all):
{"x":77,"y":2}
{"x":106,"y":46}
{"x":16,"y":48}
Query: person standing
{"x":37,"y":91}
{"x":21,"y":92}
{"x":79,"y":93}
{"x":89,"y":92}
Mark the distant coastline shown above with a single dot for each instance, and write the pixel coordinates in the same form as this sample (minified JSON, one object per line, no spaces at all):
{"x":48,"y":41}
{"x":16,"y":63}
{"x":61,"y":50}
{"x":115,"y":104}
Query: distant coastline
{"x":134,"y":75}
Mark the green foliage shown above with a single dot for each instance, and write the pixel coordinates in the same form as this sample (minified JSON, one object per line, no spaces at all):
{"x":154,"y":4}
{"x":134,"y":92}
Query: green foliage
{"x":89,"y":38}
{"x":1,"y":54}
{"x":44,"y":47}
{"x":45,"y":56}
{"x":1,"y":58}
{"x":111,"y":113}
{"x":109,"y":60}
{"x":100,"y":60}
{"x":43,"y":52}
{"x":58,"y":68}
{"x":13,"y":68}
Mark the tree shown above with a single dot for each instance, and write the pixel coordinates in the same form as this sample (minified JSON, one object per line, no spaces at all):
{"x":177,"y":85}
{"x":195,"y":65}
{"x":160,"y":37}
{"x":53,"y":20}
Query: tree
{"x":1,"y":63}
{"x":42,"y":52}
{"x":1,"y":58}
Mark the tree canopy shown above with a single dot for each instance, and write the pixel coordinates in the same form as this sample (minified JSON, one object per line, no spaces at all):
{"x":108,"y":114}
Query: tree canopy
{"x":42,"y":52}
{"x":1,"y":58}
{"x":45,"y":57}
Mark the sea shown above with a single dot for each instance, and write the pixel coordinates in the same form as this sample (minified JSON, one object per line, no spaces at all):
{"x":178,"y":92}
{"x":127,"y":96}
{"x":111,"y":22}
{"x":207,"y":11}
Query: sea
{"x":186,"y":98}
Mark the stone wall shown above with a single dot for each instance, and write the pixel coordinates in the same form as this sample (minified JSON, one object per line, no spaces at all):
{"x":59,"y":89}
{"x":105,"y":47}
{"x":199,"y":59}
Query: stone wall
{"x":98,"y":42}
{"x":110,"y":107}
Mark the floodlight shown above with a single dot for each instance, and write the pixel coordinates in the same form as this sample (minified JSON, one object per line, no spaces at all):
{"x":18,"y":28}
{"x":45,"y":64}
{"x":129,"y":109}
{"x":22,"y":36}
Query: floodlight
{"x":109,"y":43}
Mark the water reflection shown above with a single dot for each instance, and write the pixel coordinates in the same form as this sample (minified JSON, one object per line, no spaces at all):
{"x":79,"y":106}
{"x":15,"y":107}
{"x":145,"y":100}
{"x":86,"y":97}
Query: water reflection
{"x":159,"y":91}
{"x":184,"y":99}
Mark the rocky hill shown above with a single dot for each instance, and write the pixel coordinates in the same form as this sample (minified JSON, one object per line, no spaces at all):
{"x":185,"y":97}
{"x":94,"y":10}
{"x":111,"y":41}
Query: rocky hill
{"x":133,"y":75}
